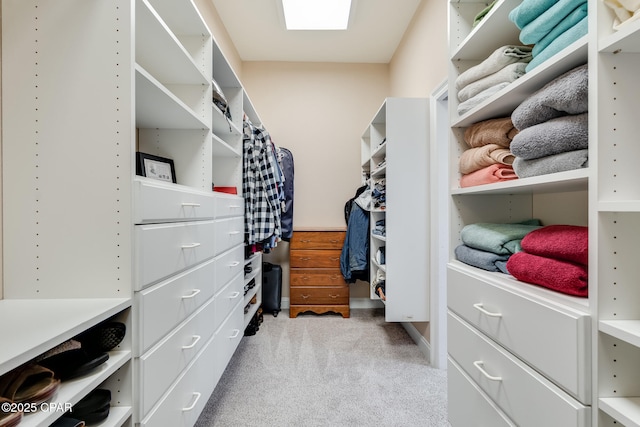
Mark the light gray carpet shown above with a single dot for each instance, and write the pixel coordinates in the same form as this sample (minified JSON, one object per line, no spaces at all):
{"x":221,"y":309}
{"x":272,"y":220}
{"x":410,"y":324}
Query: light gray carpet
{"x":328,"y":371}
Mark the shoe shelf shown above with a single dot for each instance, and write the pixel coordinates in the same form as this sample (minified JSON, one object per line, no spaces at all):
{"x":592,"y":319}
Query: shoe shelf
{"x":41,"y":324}
{"x":70,"y":392}
{"x":255,"y":261}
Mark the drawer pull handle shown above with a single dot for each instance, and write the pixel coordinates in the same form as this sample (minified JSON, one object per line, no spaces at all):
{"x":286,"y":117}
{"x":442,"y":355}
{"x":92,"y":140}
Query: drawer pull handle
{"x":235,"y":206}
{"x":478,"y":364}
{"x":195,"y":402}
{"x":305,"y":258}
{"x":234,"y":295}
{"x":488,"y":313}
{"x":334,"y":296}
{"x":191,"y":246}
{"x":305,"y":241}
{"x":234,"y":264}
{"x":305,"y":296}
{"x":235,"y":334}
{"x":334,"y":258}
{"x":193,"y":205}
{"x":196,"y":338}
{"x":192,"y":294}
{"x":231,"y":233}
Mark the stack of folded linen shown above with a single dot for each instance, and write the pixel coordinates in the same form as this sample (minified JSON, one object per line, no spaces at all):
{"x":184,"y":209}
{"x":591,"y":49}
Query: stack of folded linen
{"x":550,"y":25}
{"x":497,"y":135}
{"x":554,"y":257}
{"x":490,"y":245}
{"x":502,"y":67}
{"x":625,"y":10}
{"x":553,"y":127}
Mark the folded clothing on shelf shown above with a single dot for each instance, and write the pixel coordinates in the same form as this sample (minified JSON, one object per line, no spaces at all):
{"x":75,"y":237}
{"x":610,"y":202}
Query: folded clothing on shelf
{"x":562,"y":162}
{"x":502,"y":239}
{"x":488,"y":175}
{"x":559,"y":241}
{"x":557,"y":135}
{"x":498,"y":131}
{"x":561,"y":276}
{"x":496,"y":61}
{"x":566,"y":94}
{"x":476,"y":158}
{"x":481,"y":259}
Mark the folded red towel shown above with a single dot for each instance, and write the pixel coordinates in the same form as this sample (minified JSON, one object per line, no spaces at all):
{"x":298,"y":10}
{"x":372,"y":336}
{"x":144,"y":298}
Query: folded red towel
{"x":561,"y":276}
{"x":563,"y":242}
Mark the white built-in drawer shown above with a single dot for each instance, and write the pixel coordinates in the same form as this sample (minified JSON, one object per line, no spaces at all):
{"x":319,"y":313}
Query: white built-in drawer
{"x":161,"y":365}
{"x":227,"y":298}
{"x":228,"y":205}
{"x":525,"y":396}
{"x":163,"y":306}
{"x":165,"y":249}
{"x":228,"y":265}
{"x":186,"y":398}
{"x":229,"y":233}
{"x":228,"y":337}
{"x":468,"y":405}
{"x":548,"y":336}
{"x":156,"y":201}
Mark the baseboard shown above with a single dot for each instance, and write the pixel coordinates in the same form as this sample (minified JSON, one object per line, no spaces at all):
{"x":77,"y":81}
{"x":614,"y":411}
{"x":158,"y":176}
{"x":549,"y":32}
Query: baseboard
{"x":353,"y":303}
{"x":417,"y":337}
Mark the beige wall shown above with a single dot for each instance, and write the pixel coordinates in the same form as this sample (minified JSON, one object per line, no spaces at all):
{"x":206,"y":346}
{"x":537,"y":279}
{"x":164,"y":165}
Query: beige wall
{"x":419,"y":64}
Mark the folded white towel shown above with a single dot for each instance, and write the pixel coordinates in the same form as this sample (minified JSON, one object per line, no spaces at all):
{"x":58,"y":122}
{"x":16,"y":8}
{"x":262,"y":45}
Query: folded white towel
{"x":472,"y":103}
{"x":499,"y":59}
{"x":507,"y":74}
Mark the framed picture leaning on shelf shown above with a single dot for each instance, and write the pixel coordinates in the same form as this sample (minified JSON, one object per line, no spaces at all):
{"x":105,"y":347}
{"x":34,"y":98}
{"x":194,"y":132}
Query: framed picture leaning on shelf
{"x":155,"y":167}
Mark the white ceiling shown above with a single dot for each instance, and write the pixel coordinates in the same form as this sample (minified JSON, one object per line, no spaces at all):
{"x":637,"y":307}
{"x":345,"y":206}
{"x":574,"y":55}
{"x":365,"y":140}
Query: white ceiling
{"x":257,"y":29}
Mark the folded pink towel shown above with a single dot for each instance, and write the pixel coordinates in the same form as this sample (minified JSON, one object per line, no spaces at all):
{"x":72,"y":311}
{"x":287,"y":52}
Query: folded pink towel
{"x":562,"y":242}
{"x":561,"y":276}
{"x":476,"y":158}
{"x":493,"y":173}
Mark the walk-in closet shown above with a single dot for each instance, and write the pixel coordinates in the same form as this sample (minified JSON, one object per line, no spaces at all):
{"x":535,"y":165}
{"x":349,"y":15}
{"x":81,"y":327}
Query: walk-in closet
{"x":423,"y":213}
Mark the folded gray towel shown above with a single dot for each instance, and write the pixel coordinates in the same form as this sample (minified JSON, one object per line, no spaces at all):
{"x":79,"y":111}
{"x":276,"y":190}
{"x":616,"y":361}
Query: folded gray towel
{"x":507,"y":74}
{"x":567,"y":94}
{"x":499,"y":58}
{"x":472,"y":103}
{"x":562,"y":162}
{"x":481,"y":259}
{"x":566,"y":133}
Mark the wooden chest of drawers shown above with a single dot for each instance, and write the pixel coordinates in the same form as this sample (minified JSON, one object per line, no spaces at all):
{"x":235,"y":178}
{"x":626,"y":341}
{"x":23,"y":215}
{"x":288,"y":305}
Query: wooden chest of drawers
{"x":316,"y":283}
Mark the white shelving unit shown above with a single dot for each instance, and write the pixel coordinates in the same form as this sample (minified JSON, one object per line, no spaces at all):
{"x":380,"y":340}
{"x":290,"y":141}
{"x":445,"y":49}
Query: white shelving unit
{"x":614,"y":61}
{"x":86,"y":85}
{"x":395,"y":142}
{"x":483,"y":357}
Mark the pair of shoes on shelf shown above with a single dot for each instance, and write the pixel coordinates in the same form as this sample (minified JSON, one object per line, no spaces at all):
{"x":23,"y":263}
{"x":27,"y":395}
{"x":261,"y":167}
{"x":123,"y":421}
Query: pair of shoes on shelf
{"x":69,"y":361}
{"x":90,"y":410}
{"x":28,"y":383}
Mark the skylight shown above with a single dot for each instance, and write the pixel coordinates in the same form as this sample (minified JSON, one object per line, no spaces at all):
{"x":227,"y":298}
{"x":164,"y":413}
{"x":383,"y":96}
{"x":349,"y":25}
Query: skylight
{"x":316,"y":14}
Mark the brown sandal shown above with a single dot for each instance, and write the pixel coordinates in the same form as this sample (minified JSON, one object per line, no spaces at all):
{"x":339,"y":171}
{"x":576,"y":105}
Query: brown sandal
{"x":29,"y":383}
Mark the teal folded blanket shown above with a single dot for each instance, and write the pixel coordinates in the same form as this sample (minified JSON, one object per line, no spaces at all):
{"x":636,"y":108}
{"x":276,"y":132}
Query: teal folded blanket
{"x":482,"y":259}
{"x":529,"y":10}
{"x":570,"y":36}
{"x":501,"y":239}
{"x":572,"y":19}
{"x":535,"y":30}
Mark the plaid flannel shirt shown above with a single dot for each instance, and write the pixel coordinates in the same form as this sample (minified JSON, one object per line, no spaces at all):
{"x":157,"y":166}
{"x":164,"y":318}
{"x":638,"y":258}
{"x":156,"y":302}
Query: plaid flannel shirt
{"x":260,"y":186}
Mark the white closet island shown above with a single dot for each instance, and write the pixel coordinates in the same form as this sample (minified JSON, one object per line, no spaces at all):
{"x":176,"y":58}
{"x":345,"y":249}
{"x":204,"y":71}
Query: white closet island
{"x":395,"y":155}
